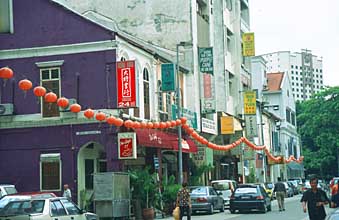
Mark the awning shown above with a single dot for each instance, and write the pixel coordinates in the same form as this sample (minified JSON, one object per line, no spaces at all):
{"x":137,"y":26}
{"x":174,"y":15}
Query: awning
{"x":295,"y":166}
{"x":160,"y":139}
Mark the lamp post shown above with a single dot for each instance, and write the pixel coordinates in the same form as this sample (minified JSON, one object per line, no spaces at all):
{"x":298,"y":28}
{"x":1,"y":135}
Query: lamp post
{"x":183,"y":44}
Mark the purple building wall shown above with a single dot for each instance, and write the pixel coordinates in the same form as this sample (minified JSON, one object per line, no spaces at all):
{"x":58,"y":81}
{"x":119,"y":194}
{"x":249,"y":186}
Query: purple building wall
{"x":44,"y":23}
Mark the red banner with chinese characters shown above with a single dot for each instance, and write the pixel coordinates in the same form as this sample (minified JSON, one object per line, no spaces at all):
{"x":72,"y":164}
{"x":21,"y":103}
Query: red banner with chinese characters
{"x":127,"y":145}
{"x":126,"y":94}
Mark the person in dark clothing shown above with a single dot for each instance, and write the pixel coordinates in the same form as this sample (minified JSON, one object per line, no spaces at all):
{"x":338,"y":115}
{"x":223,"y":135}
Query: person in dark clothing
{"x":184,"y":201}
{"x":280,"y":192}
{"x":314,"y":199}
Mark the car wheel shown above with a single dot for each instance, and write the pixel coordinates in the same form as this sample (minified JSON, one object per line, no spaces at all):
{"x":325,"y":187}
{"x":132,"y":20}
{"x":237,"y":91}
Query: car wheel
{"x":211,"y":209}
{"x":232,"y":211}
{"x":222,"y":208}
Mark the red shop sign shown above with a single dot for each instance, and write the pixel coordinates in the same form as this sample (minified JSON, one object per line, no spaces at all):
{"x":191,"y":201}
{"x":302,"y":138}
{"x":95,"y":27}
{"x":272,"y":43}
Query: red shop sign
{"x":127,"y":145}
{"x":126,"y":84}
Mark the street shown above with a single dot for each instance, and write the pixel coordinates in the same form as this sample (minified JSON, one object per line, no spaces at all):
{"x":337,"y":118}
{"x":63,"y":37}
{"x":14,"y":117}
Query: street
{"x":292,"y":205}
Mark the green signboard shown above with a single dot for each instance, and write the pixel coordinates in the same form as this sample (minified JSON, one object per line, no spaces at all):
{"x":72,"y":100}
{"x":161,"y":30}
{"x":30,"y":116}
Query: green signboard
{"x":167,"y":77}
{"x":191,"y":116}
{"x":206,"y":59}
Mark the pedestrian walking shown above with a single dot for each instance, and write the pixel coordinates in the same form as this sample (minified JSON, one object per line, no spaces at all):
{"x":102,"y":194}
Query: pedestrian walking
{"x":67,"y":192}
{"x":280,"y":193}
{"x":184,"y":201}
{"x":313,"y":201}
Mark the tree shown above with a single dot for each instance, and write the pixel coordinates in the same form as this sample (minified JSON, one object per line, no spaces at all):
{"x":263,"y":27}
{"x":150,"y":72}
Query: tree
{"x":318,"y":126}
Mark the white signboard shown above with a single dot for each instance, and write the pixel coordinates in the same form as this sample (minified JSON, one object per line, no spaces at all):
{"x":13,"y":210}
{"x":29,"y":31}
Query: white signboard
{"x":208,"y":126}
{"x":251,"y":126}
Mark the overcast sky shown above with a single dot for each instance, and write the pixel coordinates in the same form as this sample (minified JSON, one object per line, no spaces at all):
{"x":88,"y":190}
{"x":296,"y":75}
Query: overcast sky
{"x":292,"y":25}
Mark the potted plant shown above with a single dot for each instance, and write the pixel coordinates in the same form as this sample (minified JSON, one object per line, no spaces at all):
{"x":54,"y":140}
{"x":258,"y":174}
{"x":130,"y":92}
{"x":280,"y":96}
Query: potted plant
{"x":169,"y":194}
{"x":143,"y":191}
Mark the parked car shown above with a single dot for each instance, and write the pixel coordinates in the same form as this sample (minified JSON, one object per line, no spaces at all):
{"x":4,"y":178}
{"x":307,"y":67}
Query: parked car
{"x":333,"y":215}
{"x":250,"y":197}
{"x":24,"y":196}
{"x":205,"y":198}
{"x":289,"y":190}
{"x":44,"y":209}
{"x":226,"y":187}
{"x":293,"y":187}
{"x":6,"y":189}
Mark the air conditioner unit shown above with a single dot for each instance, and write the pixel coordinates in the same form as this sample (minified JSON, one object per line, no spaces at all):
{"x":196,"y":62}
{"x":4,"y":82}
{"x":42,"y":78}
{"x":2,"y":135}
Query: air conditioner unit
{"x":163,"y":116}
{"x":71,"y":101}
{"x":6,"y":109}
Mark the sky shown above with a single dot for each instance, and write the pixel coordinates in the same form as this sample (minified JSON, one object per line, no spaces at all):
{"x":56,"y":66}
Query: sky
{"x":292,"y":25}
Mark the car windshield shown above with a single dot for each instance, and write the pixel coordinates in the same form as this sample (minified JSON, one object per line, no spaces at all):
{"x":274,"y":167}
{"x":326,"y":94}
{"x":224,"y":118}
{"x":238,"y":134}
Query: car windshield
{"x":246,"y":191}
{"x":199,"y":191}
{"x":23,"y":207}
{"x":269,"y":185}
{"x":221,"y":186}
{"x":5,"y":200}
{"x":10,"y":190}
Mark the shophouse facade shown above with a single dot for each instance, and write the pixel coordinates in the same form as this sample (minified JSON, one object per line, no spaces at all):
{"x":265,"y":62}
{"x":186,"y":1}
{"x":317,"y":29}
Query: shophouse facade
{"x":204,"y":24}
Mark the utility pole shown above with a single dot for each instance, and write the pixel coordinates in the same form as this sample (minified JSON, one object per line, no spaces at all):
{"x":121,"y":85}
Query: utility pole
{"x":183,"y":44}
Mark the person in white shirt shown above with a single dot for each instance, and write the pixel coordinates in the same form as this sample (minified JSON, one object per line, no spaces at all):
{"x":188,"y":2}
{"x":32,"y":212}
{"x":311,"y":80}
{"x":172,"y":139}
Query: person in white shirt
{"x":67,"y":192}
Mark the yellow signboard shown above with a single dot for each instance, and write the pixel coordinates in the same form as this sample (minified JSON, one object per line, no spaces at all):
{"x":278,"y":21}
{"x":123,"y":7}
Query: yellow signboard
{"x":250,"y":106}
{"x":227,"y":125}
{"x":248,"y":44}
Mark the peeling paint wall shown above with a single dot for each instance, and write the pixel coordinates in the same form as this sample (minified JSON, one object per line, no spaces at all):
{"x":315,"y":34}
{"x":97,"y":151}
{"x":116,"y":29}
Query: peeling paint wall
{"x":164,"y":23}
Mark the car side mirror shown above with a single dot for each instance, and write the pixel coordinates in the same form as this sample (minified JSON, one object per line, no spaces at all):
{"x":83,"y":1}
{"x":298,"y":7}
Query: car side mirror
{"x":82,"y":211}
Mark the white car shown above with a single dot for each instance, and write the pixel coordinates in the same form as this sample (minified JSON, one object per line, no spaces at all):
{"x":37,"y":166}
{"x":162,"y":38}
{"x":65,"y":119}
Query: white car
{"x":7,"y":189}
{"x":44,"y":209}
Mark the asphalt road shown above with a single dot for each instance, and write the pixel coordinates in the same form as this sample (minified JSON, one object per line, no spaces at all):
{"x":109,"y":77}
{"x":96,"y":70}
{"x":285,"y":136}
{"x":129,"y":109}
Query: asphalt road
{"x":292,"y":205}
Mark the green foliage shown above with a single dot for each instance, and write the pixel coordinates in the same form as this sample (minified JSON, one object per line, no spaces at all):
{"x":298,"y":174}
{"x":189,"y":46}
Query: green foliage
{"x":143,"y":184}
{"x":197,"y":172}
{"x":169,"y":195}
{"x":318,"y":127}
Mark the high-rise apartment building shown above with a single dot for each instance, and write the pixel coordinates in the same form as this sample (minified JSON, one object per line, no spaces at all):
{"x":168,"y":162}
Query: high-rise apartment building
{"x":304,"y":69}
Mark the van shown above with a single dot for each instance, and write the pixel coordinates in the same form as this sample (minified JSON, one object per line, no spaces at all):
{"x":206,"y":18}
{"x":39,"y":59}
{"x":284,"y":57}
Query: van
{"x":226,"y":188}
{"x":6,"y":189}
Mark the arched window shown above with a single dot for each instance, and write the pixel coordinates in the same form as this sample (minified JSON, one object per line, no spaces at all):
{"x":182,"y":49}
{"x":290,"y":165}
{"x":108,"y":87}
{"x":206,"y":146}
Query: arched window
{"x":146,"y":94}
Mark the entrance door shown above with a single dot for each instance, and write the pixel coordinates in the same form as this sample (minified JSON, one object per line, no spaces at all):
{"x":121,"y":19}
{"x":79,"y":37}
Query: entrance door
{"x":89,"y":172}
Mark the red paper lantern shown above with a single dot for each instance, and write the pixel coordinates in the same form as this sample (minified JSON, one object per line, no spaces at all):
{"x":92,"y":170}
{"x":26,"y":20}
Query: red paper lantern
{"x":163,"y":125}
{"x":178,"y":122}
{"x":156,"y":125}
{"x":25,"y":84}
{"x":100,"y":116}
{"x":173,"y":123}
{"x":110,"y":120}
{"x":150,"y":125}
{"x":204,"y":141}
{"x":143,"y":124}
{"x":168,"y":124}
{"x":6,"y":73}
{"x":51,"y":97}
{"x":89,"y":113}
{"x":39,"y":91}
{"x":75,"y":108}
{"x":128,"y":123}
{"x":62,"y":102}
{"x":183,"y":120}
{"x":137,"y":124}
{"x":119,"y":122}
{"x":190,"y":130}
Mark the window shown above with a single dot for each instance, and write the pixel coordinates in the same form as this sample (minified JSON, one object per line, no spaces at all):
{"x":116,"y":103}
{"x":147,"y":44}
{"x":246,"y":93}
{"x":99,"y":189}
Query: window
{"x":57,"y":209}
{"x":50,"y":172}
{"x":146,"y":94}
{"x":50,"y":79}
{"x":288,"y":115}
{"x":70,"y":207}
{"x":6,"y":16}
{"x":293,"y":118}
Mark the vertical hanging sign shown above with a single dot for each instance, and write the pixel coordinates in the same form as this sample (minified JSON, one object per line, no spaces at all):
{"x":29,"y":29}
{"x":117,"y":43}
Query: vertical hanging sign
{"x":168,"y":77}
{"x":127,"y":145}
{"x":206,"y":59}
{"x":248,"y":44}
{"x":126,"y":89}
{"x":250,"y":107}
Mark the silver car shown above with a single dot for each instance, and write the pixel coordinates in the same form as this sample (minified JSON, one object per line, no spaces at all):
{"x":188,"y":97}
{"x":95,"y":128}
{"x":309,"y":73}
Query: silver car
{"x":44,"y":209}
{"x":205,"y":198}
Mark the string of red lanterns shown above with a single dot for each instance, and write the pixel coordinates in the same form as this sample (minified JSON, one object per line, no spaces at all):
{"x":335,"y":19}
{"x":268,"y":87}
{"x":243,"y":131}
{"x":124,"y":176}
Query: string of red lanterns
{"x":39,"y":91}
